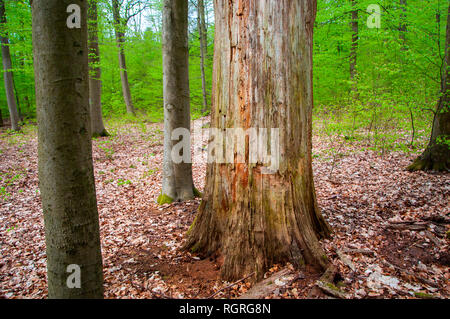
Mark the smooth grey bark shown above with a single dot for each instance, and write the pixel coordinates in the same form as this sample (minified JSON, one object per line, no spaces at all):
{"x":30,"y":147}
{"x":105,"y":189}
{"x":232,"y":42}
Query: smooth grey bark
{"x":95,"y":83}
{"x":120,"y":38}
{"x":203,"y":49}
{"x":7,"y":73}
{"x":66,"y":178}
{"x":177,"y":178}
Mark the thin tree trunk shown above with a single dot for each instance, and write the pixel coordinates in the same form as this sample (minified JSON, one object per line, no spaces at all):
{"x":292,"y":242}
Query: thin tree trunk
{"x":262,"y":79}
{"x":66,"y":176}
{"x":120,"y":38}
{"x":354,"y":47}
{"x":203,"y":49}
{"x":7,"y":73}
{"x":95,"y":83}
{"x":177,"y":178}
{"x":1,"y":118}
{"x":437,"y":154}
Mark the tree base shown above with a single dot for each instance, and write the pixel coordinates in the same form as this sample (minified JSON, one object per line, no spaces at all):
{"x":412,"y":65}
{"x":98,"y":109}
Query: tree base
{"x":433,"y":159}
{"x":103,"y":133}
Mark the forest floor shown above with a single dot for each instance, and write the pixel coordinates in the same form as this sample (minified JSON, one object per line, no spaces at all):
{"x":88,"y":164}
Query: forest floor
{"x":391,"y":227}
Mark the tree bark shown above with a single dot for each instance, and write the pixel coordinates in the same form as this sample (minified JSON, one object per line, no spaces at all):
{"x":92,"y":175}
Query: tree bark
{"x":66,"y":176}
{"x":7,"y":73}
{"x":203,"y":49}
{"x":95,"y":83}
{"x":177,"y":178}
{"x":354,"y":47}
{"x":120,"y":38}
{"x":262,"y":79}
{"x":436,"y":156}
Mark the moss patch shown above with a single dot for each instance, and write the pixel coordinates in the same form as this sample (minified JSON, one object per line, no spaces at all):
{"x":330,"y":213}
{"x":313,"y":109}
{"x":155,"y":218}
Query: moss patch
{"x":197,"y":193}
{"x":164,"y":199}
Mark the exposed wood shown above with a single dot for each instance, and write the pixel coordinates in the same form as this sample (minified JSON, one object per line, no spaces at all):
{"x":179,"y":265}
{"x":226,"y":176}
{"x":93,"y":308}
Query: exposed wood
{"x":262,"y":79}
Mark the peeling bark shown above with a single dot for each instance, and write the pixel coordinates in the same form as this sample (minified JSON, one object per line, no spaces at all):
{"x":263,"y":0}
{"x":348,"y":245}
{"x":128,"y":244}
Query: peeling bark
{"x":262,"y":79}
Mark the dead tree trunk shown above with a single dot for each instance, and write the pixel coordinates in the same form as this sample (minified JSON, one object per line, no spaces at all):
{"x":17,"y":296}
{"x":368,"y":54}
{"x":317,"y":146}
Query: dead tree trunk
{"x":203,"y":49}
{"x":120,"y":38}
{"x":437,"y":154}
{"x":7,"y":73}
{"x":66,"y":178}
{"x":95,"y":83}
{"x":262,"y":79}
{"x":177,"y":176}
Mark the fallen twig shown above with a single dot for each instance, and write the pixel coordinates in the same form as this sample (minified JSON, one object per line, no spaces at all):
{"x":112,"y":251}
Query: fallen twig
{"x":229,"y":286}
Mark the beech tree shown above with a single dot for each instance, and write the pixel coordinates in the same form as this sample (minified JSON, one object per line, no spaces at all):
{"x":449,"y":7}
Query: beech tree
{"x":66,"y":178}
{"x":437,"y":154}
{"x":262,"y":79}
{"x":7,"y":72}
{"x":354,"y":46}
{"x":177,"y":177}
{"x":119,"y":26}
{"x":95,"y":82}
{"x":203,"y":49}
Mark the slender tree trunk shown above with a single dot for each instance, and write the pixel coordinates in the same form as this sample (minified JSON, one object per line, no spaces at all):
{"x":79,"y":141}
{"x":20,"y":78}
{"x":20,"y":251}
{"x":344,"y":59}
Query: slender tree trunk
{"x":262,"y":79}
{"x":95,"y":83}
{"x":177,"y":177}
{"x":7,"y":73}
{"x":120,"y":38}
{"x":1,"y":118}
{"x":437,"y":154}
{"x":354,"y":47}
{"x":203,"y":49}
{"x":66,"y":176}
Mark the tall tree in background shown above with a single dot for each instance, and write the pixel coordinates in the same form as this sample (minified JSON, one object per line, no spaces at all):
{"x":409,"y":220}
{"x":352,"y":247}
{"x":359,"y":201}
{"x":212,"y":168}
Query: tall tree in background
{"x":437,"y":154}
{"x":354,"y":47}
{"x":95,"y":82}
{"x":7,"y":72}
{"x":66,"y":178}
{"x":203,"y":49}
{"x":177,"y":177}
{"x":262,"y":79}
{"x":120,"y":27}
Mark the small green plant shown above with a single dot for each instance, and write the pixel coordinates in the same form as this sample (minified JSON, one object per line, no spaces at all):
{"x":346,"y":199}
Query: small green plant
{"x":122,"y":182}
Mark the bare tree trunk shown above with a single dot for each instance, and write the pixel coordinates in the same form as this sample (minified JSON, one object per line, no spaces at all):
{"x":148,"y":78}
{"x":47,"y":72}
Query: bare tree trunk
{"x":177,"y":177}
{"x":262,"y":79}
{"x":437,"y":154}
{"x":203,"y":49}
{"x":95,"y":83}
{"x":354,"y":47}
{"x":7,"y":73}
{"x":66,"y":176}
{"x":120,"y":38}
